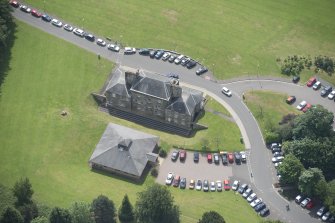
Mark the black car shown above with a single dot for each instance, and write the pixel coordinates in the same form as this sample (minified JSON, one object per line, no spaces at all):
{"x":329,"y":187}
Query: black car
{"x":159,"y":54}
{"x":46,"y":18}
{"x":296,"y":79}
{"x":191,"y":64}
{"x":172,"y":75}
{"x":144,"y":52}
{"x":237,"y":156}
{"x":172,"y":58}
{"x":216,"y":158}
{"x":201,"y":70}
{"x":89,"y":37}
{"x":152,"y":53}
{"x":224,"y":158}
{"x":264,"y":212}
{"x":182,"y":183}
{"x":260,"y":207}
{"x":326,"y":90}
{"x":242,"y":188}
{"x":196,"y":157}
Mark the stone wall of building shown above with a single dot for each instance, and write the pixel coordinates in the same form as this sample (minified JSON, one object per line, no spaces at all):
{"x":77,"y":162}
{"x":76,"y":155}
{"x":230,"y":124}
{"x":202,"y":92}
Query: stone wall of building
{"x":118,"y":101}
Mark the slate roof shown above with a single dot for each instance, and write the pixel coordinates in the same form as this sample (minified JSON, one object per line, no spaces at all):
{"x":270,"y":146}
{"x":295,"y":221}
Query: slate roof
{"x":117,"y":84}
{"x":124,"y":149}
{"x":187,"y":103}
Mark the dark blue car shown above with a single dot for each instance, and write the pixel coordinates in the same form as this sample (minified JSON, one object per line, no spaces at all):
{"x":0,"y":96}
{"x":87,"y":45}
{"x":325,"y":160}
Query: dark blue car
{"x":46,"y":18}
{"x":260,"y":207}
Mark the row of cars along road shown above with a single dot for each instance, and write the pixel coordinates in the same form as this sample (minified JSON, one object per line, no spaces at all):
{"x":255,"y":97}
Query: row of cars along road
{"x":308,"y":203}
{"x":225,"y":157}
{"x":277,"y":156}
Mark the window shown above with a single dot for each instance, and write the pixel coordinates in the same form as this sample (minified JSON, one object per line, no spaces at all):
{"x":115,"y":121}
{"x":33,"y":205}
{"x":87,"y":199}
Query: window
{"x":113,"y":95}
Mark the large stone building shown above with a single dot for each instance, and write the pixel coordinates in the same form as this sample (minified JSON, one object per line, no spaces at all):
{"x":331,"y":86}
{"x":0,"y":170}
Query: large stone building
{"x":153,"y":100}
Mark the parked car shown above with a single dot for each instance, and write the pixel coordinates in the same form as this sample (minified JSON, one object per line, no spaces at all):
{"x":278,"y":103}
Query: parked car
{"x":36,"y":13}
{"x":317,"y":85}
{"x":311,"y":81}
{"x":275,"y":145}
{"x":144,"y":52}
{"x":237,"y":157}
{"x":331,"y":95}
{"x":260,"y":207}
{"x":191,"y":64}
{"x":264,"y":212}
{"x":255,"y":202}
{"x":230,"y":157}
{"x":305,"y":202}
{"x":209,"y":157}
{"x":277,"y":159}
{"x":326,"y":216}
{"x":216,"y":158}
{"x":298,"y":199}
{"x":201,"y":70}
{"x":56,"y":23}
{"x":192,"y":184}
{"x":276,"y":149}
{"x":218,"y":185}
{"x":251,"y":197}
{"x":226,"y":185}
{"x":235,"y":185}
{"x":178,"y":59}
{"x":276,"y":154}
{"x":113,"y":47}
{"x":78,"y":32}
{"x":243,"y":156}
{"x":242,"y":188}
{"x":67,"y":27}
{"x":301,"y":105}
{"x":15,"y":4}
{"x":25,"y":8}
{"x":291,"y":99}
{"x":212,"y":186}
{"x":247,"y":192}
{"x":296,"y":79}
{"x":89,"y":37}
{"x":129,"y":50}
{"x":278,"y":164}
{"x":306,"y":108}
{"x":173,"y":75}
{"x":169,"y":178}
{"x":226,"y":91}
{"x":159,"y":54}
{"x":326,"y":90}
{"x":205,"y":186}
{"x":172,"y":58}
{"x":224,"y":157}
{"x":196,"y":157}
{"x":46,"y":18}
{"x":182,"y":155}
{"x":198,"y":185}
{"x":166,"y":56}
{"x":152,"y":53}
{"x":321,"y":211}
{"x":175,"y":155}
{"x":185,"y":61}
{"x":176,"y":181}
{"x":100,"y":42}
{"x":182,"y":184}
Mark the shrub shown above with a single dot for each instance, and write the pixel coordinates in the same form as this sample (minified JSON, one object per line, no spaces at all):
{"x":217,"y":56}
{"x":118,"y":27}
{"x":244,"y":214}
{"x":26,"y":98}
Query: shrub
{"x":271,"y":137}
{"x":154,"y":172}
{"x":162,"y":153}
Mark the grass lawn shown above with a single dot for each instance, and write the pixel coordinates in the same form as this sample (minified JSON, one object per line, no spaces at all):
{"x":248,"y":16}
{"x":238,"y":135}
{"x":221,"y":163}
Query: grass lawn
{"x":268,"y":107}
{"x":48,"y":76}
{"x":216,"y":106}
{"x":232,"y":38}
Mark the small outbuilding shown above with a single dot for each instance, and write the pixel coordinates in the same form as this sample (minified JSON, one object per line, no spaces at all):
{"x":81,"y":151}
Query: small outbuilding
{"x":125,"y":151}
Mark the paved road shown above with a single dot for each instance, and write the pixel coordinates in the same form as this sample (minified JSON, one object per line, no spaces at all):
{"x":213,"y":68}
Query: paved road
{"x":259,"y":162}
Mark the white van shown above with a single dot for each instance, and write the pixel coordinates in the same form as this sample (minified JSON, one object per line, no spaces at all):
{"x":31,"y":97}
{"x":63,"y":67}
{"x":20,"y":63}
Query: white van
{"x":178,"y":59}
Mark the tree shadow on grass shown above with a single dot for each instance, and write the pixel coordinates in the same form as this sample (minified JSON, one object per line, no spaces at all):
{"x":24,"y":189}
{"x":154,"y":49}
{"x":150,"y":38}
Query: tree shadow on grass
{"x":6,"y":54}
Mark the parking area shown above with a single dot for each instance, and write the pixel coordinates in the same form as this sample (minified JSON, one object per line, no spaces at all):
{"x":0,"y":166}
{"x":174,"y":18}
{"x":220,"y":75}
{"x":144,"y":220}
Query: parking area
{"x":202,"y":170}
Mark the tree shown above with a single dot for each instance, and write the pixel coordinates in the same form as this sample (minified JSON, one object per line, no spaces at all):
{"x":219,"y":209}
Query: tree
{"x":290,"y":170}
{"x":104,"y":210}
{"x":23,"y":191}
{"x":7,"y":198}
{"x":211,"y":217}
{"x":155,"y":204}
{"x":81,"y":213}
{"x":28,"y":211}
{"x":309,"y":180}
{"x":11,"y":215}
{"x":330,"y":198}
{"x":126,"y":212}
{"x":6,"y":21}
{"x":60,"y":215}
{"x":40,"y":219}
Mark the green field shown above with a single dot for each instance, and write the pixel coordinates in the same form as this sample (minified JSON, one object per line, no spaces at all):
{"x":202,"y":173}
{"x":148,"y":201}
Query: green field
{"x":233,"y":38}
{"x":47,"y":76}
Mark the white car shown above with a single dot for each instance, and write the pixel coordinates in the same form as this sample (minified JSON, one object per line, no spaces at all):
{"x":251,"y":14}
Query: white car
{"x":169,"y":178}
{"x":129,"y":50}
{"x":278,"y":164}
{"x":251,"y":197}
{"x":301,"y":105}
{"x":218,"y":185}
{"x":247,"y":193}
{"x":326,"y":216}
{"x":25,"y":8}
{"x":235,"y":185}
{"x":100,"y":42}
{"x":166,"y":56}
{"x":255,"y":202}
{"x":243,"y":156}
{"x":113,"y":47}
{"x":317,"y":85}
{"x":213,"y":186}
{"x":56,"y":22}
{"x":198,"y":185}
{"x":178,"y":59}
{"x":226,"y":91}
{"x":331,"y":96}
{"x":67,"y":27}
{"x":78,"y":32}
{"x":277,"y":159}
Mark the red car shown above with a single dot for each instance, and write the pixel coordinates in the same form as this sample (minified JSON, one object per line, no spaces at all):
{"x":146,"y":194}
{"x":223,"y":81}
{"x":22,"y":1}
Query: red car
{"x":15,"y":4}
{"x":226,"y":185}
{"x":35,"y":13}
{"x":230,"y":157}
{"x":308,"y":106}
{"x":182,"y":155}
{"x":310,"y":205}
{"x":176,"y":181}
{"x":311,"y":81}
{"x":209,"y":157}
